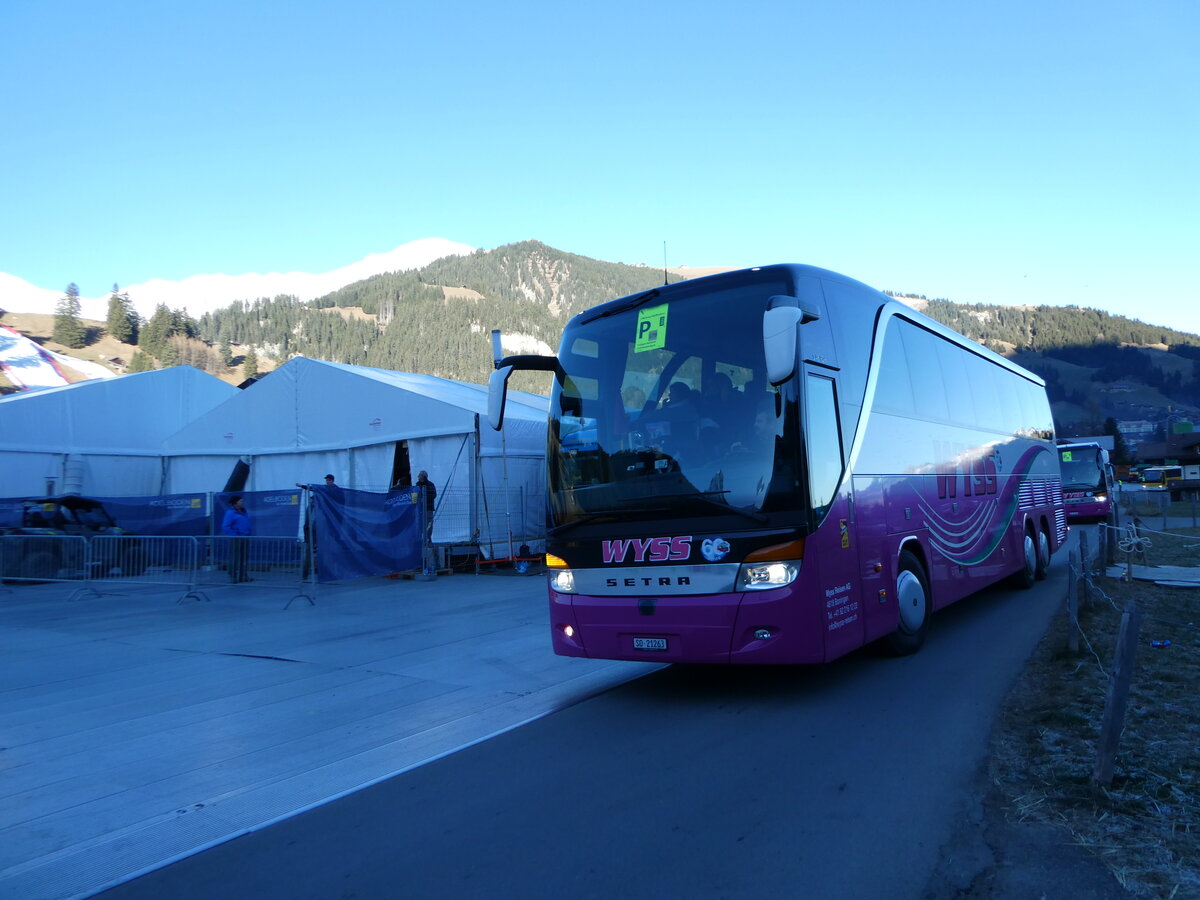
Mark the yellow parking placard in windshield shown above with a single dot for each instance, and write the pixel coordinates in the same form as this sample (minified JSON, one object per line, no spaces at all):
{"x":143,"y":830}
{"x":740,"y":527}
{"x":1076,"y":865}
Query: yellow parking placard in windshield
{"x":651,"y":329}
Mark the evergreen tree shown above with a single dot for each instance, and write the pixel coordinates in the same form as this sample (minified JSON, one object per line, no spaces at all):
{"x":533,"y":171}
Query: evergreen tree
{"x":131,"y":316}
{"x":250,"y":365}
{"x":168,"y":354}
{"x":69,"y":329}
{"x":182,"y":323}
{"x":122,"y":320}
{"x":226,"y":353}
{"x":141,"y":362}
{"x":154,"y":335}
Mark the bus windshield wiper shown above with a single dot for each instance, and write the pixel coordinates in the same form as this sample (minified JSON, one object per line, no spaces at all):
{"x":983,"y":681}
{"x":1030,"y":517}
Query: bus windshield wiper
{"x":634,"y":303}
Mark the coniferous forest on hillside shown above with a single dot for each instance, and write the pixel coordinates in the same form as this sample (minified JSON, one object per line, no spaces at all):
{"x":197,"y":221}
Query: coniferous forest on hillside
{"x":438,"y":319}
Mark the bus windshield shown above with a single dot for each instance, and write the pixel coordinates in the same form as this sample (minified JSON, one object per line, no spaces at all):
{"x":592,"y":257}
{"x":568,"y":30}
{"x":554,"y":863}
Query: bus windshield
{"x":659,"y":413}
{"x":1082,"y":469}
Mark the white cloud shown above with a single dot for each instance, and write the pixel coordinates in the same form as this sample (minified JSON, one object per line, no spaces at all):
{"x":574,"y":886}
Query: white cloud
{"x":204,"y":293}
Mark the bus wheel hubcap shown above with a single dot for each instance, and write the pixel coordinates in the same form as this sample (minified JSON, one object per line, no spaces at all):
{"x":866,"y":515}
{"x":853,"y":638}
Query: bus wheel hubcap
{"x":911,"y":594}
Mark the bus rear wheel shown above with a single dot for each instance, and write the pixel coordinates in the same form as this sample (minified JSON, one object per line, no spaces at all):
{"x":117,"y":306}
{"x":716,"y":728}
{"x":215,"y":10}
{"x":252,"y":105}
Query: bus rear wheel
{"x":1025,"y":577}
{"x":912,"y":597}
{"x":1043,"y":555}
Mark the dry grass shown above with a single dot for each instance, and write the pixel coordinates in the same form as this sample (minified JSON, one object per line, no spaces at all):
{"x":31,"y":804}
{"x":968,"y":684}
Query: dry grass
{"x":1146,"y":824}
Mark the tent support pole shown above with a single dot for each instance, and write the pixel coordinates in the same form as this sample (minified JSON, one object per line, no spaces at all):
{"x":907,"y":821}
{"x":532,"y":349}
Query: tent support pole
{"x":507,"y":501}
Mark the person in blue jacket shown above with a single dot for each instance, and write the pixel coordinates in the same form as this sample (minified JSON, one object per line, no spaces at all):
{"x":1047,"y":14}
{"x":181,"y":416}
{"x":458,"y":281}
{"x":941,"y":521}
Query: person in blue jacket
{"x":236,"y":525}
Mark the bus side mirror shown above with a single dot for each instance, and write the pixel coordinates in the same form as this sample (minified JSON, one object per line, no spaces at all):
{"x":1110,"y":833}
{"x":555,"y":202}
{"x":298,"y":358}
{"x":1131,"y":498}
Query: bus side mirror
{"x":497,"y":395}
{"x":780,"y":340}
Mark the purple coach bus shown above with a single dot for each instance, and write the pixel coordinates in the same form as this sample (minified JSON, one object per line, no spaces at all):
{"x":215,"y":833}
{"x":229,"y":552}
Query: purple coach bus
{"x":779,"y":465}
{"x":1087,"y":481}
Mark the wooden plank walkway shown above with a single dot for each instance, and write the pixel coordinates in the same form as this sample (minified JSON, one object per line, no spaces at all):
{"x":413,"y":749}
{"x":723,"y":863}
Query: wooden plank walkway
{"x":135,"y":730}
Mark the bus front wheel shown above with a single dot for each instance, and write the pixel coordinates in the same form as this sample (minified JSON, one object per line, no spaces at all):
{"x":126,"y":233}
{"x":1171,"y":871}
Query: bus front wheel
{"x":912,"y":596}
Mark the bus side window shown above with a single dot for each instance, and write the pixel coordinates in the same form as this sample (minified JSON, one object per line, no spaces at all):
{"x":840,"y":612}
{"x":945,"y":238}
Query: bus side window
{"x":893,"y":388}
{"x":1010,"y":402}
{"x":929,"y":390}
{"x":1036,"y":406}
{"x":953,"y":366}
{"x":823,"y":437}
{"x":985,"y":389}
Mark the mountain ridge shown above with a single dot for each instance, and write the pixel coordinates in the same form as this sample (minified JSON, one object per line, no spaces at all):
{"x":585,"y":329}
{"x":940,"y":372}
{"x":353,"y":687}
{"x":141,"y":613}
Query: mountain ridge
{"x":436,"y":319}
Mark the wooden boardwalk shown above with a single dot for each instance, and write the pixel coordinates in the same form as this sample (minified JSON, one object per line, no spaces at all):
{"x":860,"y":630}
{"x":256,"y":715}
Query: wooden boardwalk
{"x":135,"y":730}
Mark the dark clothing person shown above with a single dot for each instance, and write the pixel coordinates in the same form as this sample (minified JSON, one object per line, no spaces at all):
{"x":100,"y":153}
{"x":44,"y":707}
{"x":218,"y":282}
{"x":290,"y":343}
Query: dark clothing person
{"x":236,"y":526}
{"x":430,"y":494}
{"x":329,"y":482}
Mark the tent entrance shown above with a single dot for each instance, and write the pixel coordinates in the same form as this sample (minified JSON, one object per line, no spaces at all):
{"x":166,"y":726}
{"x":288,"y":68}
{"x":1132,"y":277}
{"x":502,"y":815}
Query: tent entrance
{"x":401,"y":468}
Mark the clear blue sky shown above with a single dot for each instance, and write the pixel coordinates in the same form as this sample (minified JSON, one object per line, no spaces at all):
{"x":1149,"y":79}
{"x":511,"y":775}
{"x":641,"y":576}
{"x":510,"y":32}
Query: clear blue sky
{"x":1018,"y":152}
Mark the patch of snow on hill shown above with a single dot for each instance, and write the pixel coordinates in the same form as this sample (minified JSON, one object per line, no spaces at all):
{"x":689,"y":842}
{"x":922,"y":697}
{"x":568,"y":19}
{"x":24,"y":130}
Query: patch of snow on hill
{"x":524,"y":343}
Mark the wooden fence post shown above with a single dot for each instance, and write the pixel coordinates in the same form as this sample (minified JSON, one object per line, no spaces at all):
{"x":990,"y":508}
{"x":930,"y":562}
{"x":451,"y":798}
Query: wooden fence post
{"x":1113,"y":722}
{"x":1072,"y":606}
{"x":1085,"y":572}
{"x":1139,"y":552}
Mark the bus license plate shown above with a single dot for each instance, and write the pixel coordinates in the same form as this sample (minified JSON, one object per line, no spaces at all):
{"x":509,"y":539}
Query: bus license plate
{"x":649,"y":643}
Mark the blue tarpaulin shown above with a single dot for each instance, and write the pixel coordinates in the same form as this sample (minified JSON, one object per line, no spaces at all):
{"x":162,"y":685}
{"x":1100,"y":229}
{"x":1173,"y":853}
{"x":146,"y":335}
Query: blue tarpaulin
{"x":360,"y":533}
{"x":11,"y":510}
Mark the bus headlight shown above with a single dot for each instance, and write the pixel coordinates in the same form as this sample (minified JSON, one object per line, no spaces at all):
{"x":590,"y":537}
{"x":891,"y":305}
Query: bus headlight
{"x":767,"y":575}
{"x":563,"y":581}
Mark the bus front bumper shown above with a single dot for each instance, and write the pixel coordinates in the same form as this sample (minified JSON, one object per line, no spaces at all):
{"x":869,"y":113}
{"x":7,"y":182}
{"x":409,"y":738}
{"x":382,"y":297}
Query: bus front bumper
{"x":750,"y":628}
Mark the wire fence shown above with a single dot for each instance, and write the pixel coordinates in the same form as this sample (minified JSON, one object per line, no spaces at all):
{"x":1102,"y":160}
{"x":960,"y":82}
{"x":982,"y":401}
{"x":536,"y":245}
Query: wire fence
{"x":1162,"y":560}
{"x":1133,"y":501}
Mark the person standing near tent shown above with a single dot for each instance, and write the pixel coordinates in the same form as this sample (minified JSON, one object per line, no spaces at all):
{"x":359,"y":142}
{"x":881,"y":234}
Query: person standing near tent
{"x":330,"y":481}
{"x":430,"y":494}
{"x":236,"y":526}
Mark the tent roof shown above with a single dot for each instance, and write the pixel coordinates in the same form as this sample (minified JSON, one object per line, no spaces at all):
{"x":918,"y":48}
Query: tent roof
{"x":130,"y":414}
{"x":311,"y":405}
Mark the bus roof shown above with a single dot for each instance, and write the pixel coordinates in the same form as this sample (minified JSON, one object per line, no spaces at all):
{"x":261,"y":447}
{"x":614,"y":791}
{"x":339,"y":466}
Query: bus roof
{"x":873,"y":303}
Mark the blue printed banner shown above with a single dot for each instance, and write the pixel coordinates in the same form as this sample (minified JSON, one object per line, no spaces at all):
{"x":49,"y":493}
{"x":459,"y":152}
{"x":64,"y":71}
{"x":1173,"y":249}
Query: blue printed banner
{"x":171,"y":514}
{"x":272,"y":513}
{"x":184,"y":514}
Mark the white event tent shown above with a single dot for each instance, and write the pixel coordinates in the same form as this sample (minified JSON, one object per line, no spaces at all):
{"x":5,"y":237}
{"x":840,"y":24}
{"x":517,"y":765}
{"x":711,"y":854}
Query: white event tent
{"x":100,"y":437}
{"x":363,"y":425}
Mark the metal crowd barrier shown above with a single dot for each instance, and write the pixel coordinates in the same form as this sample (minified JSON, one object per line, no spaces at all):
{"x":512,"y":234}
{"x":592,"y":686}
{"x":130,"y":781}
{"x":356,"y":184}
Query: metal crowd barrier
{"x":187,"y":562}
{"x":146,"y":560}
{"x":239,"y":560}
{"x":38,"y":557}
